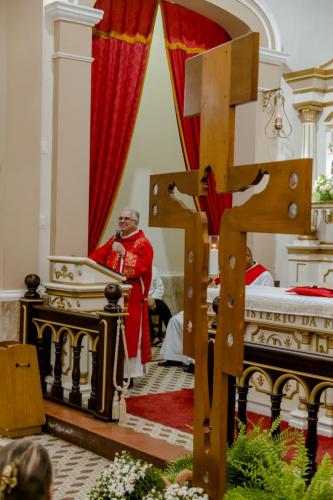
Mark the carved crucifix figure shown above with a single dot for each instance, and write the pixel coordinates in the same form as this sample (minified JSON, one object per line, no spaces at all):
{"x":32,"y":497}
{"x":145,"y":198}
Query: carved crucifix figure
{"x":216,"y":81}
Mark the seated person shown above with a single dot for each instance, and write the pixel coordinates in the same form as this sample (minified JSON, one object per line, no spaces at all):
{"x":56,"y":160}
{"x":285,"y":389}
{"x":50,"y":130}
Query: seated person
{"x":25,"y":471}
{"x":157,"y":305}
{"x":172,"y":347}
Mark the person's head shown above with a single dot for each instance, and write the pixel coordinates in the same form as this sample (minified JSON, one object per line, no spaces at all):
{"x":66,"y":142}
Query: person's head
{"x":25,"y":472}
{"x":128,"y":221}
{"x":249,"y":259}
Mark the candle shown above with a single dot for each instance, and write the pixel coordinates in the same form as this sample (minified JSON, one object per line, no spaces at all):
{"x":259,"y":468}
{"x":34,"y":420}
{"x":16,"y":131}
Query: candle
{"x":213,"y":262}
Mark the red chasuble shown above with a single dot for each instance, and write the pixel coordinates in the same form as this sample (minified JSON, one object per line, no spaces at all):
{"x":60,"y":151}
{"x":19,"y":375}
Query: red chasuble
{"x":136,"y":265}
{"x":253,"y":273}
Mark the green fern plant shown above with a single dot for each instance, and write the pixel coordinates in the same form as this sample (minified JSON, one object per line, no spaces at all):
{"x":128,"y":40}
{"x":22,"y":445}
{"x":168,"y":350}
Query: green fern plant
{"x":321,"y":487}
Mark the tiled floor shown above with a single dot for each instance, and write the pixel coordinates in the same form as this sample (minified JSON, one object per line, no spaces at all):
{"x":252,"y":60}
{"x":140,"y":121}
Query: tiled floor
{"x":76,"y":470}
{"x":160,"y":380}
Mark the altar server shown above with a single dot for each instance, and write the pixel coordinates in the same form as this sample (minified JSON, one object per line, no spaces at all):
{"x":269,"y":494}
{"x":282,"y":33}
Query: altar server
{"x":172,"y":348}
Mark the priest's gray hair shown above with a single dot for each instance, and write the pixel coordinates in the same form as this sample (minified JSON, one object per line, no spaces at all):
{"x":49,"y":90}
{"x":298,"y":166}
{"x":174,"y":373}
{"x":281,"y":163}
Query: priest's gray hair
{"x":134,"y":213}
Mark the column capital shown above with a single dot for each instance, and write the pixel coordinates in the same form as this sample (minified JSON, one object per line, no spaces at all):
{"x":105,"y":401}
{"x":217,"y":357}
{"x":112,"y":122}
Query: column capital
{"x":308,"y":112}
{"x":62,"y":10}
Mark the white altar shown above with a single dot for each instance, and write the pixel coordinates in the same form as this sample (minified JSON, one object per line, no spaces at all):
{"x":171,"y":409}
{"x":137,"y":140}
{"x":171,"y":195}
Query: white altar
{"x":275,"y":317}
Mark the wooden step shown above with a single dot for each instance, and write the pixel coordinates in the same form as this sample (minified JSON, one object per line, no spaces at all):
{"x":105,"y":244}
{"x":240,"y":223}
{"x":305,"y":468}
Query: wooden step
{"x":105,"y":438}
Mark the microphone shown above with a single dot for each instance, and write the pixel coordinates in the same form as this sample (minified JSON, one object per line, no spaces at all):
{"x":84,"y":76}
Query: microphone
{"x":118,"y":235}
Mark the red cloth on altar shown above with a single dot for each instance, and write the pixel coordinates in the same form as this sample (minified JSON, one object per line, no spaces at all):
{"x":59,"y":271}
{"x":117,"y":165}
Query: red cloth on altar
{"x":137,"y":267}
{"x":313,"y":291}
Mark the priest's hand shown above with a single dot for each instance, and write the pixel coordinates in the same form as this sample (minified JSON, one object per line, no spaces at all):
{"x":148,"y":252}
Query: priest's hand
{"x":118,"y":248}
{"x":151,"y":303}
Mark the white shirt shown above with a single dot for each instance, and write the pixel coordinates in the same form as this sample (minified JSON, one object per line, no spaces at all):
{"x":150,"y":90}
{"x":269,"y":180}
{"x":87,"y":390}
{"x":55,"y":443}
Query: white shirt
{"x":156,"y":288}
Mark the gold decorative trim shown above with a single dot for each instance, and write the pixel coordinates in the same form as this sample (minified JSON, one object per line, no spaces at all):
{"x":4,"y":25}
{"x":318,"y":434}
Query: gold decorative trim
{"x":93,"y":265}
{"x":60,"y":302}
{"x":305,"y":104}
{"x":280,"y":328}
{"x":65,"y":325}
{"x":123,"y":37}
{"x":285,"y":377}
{"x":182,"y":46}
{"x":317,"y":90}
{"x":277,"y":369}
{"x":327,"y":384}
{"x":113,"y":315}
{"x":329,"y":117}
{"x":64,"y":273}
{"x":320,"y":348}
{"x":84,"y":378}
{"x":326,"y":274}
{"x":251,"y":369}
{"x":308,"y":73}
{"x":308,"y":250}
{"x":75,"y":294}
{"x":32,"y":300}
{"x":306,"y":237}
{"x":309,"y":114}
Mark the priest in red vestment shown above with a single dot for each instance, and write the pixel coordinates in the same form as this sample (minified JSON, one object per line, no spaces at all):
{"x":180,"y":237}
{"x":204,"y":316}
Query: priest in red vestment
{"x":130,"y":252}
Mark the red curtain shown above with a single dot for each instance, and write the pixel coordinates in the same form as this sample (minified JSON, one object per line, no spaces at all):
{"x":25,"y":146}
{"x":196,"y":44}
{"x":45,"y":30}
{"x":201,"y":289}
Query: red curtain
{"x":188,"y":33}
{"x":121,"y":43}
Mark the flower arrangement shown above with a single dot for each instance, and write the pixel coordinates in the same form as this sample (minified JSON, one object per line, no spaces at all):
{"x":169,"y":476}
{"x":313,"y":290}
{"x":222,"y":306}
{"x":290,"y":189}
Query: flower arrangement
{"x":257,"y":469}
{"x":126,"y":478}
{"x":176,"y":492}
{"x":323,"y":189}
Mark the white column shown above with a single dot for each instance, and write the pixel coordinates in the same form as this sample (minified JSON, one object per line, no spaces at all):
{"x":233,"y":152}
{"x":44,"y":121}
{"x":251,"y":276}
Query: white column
{"x":66,"y":129}
{"x":309,"y":116}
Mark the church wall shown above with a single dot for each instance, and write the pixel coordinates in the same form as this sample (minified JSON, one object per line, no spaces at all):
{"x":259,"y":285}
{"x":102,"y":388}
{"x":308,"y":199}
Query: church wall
{"x":20,"y":112}
{"x":306,"y":31}
{"x":20,"y":120}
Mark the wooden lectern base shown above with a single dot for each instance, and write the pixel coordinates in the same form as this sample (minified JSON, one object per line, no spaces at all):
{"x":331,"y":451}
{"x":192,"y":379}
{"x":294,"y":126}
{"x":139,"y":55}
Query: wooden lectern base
{"x":22,"y":408}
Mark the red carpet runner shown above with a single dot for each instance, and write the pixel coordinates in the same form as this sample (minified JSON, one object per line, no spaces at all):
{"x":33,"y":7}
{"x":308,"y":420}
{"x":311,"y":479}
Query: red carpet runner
{"x":175,"y":409}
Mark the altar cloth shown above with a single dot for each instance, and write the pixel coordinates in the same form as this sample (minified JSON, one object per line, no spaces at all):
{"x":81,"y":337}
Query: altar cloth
{"x":278,"y":300}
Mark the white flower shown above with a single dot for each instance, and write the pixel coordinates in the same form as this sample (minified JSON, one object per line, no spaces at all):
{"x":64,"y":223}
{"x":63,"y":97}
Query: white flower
{"x":321,"y":189}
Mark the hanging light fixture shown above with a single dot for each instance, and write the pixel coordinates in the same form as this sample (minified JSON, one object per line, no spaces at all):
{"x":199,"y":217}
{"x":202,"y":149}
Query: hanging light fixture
{"x":273,"y":101}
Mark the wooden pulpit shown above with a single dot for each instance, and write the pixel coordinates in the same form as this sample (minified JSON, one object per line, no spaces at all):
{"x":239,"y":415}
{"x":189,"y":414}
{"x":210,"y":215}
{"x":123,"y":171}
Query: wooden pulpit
{"x":22,"y":407}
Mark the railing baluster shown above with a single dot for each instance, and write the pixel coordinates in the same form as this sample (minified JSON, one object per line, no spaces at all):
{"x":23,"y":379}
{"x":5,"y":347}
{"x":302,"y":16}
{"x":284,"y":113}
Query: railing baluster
{"x":276,"y":410}
{"x":75,"y":396}
{"x":93,"y":394}
{"x":242,"y":403}
{"x":57,"y":390}
{"x":40,"y":355}
{"x":311,"y":441}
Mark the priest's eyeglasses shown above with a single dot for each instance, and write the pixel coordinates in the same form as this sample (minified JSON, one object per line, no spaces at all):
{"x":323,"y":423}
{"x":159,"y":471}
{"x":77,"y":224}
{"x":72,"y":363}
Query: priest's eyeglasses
{"x":126,"y":219}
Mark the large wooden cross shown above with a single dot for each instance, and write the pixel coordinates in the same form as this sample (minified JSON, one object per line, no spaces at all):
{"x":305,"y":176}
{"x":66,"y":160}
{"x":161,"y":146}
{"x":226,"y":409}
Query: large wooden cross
{"x":216,"y":81}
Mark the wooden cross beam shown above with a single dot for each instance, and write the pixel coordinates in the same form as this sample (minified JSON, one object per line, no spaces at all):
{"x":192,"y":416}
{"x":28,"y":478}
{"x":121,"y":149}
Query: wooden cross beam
{"x":217,"y":81}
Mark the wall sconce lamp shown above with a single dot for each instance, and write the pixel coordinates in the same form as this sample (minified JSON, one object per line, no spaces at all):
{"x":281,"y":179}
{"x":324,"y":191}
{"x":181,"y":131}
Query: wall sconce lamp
{"x":273,"y":101}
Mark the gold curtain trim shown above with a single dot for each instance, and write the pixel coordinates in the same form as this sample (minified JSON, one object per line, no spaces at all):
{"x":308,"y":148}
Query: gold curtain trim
{"x":123,"y":37}
{"x":182,"y":46}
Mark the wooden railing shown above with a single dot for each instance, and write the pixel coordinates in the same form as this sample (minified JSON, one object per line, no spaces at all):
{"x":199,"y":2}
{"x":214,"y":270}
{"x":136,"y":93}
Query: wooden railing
{"x":42,"y":326}
{"x":278,"y":366}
